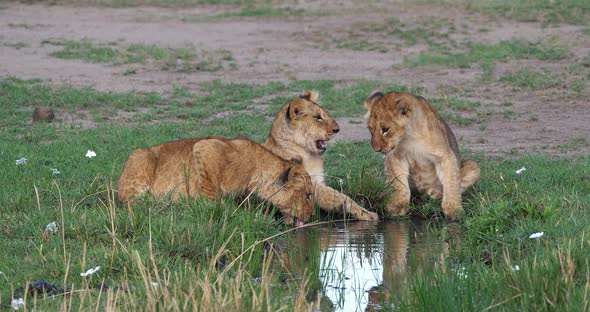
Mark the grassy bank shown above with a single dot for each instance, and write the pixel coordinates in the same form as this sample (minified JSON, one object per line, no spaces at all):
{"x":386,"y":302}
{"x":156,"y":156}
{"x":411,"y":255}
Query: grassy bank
{"x":216,"y":255}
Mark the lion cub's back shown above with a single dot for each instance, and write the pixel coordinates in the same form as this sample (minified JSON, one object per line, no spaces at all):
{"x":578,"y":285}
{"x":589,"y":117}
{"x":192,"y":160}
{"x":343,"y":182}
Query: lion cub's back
{"x":234,"y":165}
{"x":173,"y":163}
{"x":243,"y":158}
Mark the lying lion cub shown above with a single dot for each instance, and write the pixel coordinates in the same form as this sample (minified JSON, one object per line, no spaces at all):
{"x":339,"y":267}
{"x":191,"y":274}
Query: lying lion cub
{"x":421,"y":152}
{"x":217,"y":166}
{"x":302,"y":129}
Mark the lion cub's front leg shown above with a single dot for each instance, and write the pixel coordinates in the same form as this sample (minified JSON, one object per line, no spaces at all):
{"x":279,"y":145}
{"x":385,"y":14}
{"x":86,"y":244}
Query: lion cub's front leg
{"x":332,"y":200}
{"x":397,"y":171}
{"x":449,"y":175}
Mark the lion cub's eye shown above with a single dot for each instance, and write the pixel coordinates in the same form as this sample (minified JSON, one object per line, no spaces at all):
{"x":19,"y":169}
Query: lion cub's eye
{"x":384,"y":130}
{"x":319,"y":118}
{"x":308,"y":195}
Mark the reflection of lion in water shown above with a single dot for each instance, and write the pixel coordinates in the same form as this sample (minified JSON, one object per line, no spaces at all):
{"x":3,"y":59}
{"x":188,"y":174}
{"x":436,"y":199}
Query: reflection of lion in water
{"x":421,"y":152}
{"x":388,"y":255}
{"x":217,"y":166}
{"x":301,"y":130}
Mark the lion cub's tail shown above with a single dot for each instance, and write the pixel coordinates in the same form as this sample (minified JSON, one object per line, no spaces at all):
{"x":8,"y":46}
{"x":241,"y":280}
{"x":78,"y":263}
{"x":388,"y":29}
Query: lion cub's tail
{"x":469,"y":174}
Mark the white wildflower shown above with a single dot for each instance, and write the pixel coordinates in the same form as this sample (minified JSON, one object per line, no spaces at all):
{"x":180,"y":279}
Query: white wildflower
{"x":17,"y":303}
{"x":21,"y":161}
{"x":521,"y":170}
{"x":536,"y":235}
{"x":90,"y":154}
{"x":55,"y":171}
{"x":462,"y":273}
{"x":154,"y":284}
{"x":516,"y":268}
{"x":51,"y":228}
{"x":90,"y":271}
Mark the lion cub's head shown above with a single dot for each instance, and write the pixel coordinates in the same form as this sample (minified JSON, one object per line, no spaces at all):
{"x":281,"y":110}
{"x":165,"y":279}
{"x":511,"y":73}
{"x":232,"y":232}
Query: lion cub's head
{"x":389,"y":115}
{"x":303,"y":122}
{"x":294,"y":197}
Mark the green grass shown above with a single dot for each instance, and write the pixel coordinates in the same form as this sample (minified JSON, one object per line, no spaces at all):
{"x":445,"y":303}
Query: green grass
{"x":178,"y":59}
{"x":262,"y":12}
{"x":526,"y":79}
{"x":82,"y":105}
{"x":456,"y":111}
{"x":417,"y":35}
{"x":434,"y":33}
{"x":578,"y":86}
{"x":362,"y":45}
{"x":430,"y":31}
{"x":546,"y":11}
{"x":214,"y":255}
{"x":16,"y":45}
{"x":573,"y":144}
{"x":182,"y":104}
{"x":487,"y":55}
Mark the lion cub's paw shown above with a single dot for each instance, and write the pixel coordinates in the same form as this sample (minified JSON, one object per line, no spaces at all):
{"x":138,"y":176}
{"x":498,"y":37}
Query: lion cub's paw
{"x":366,"y":215}
{"x":397,"y":210}
{"x":434,"y":193}
{"x":453,"y":211}
{"x":362,"y":214}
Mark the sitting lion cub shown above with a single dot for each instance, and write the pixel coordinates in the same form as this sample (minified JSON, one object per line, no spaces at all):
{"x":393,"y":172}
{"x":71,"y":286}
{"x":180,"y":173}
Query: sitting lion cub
{"x":217,"y":166}
{"x":421,"y":152}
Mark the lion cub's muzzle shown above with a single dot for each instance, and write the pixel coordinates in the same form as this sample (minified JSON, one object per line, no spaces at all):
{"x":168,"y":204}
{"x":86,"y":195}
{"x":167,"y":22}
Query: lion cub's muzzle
{"x":322,"y":145}
{"x":383,"y":149}
{"x":299,"y":223}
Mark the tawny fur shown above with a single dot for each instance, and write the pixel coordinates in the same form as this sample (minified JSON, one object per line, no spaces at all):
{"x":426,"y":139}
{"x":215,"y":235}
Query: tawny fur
{"x":296,"y":131}
{"x":213,"y":167}
{"x":421,"y":152}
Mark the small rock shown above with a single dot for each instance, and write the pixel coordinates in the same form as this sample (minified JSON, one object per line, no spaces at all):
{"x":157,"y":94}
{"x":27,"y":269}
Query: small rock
{"x":43,"y":114}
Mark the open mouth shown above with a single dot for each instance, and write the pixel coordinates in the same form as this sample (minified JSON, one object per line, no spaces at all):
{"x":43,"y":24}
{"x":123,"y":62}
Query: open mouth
{"x":321,"y":145}
{"x":299,"y":223}
{"x":294,"y":221}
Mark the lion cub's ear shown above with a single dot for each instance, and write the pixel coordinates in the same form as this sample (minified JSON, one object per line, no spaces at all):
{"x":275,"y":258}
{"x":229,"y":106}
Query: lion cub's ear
{"x":296,"y":161}
{"x":405,"y":110}
{"x":310,"y":95}
{"x":284,"y":177}
{"x":374,"y":97}
{"x":294,"y":110}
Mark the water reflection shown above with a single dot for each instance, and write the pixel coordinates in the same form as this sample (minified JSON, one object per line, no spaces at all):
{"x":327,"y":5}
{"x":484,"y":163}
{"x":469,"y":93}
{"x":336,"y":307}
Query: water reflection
{"x":359,"y":266}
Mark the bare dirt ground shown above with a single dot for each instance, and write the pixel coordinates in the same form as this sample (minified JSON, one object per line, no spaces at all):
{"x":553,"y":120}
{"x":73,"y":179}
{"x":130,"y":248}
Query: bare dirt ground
{"x":552,"y":120}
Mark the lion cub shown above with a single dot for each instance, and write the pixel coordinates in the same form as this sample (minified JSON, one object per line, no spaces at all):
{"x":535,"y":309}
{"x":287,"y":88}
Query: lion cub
{"x":421,"y":152}
{"x":217,"y":166}
{"x":302,"y":129}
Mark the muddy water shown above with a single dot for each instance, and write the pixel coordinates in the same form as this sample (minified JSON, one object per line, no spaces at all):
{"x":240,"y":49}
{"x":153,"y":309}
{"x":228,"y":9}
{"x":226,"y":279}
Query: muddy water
{"x":359,"y":266}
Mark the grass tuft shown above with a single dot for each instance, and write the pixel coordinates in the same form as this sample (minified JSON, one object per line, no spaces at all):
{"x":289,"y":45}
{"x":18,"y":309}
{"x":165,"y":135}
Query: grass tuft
{"x":545,"y":11}
{"x":487,"y":55}
{"x":179,"y":59}
{"x":531,"y":80}
{"x":262,"y":12}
